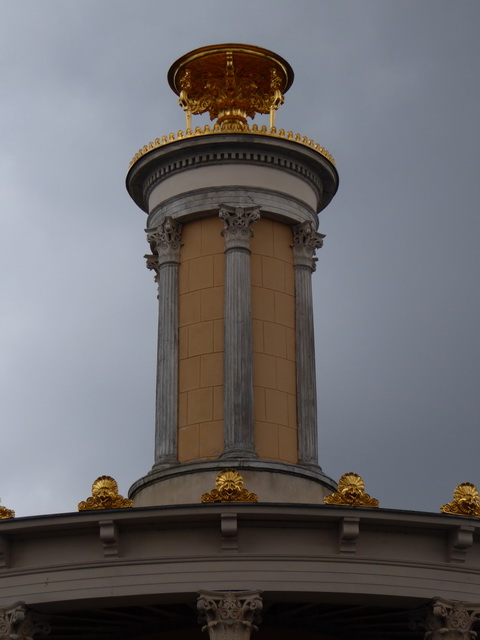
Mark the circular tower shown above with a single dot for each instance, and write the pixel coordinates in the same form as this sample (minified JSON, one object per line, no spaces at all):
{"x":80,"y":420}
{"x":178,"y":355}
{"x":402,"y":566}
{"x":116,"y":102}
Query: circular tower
{"x":232,"y":226}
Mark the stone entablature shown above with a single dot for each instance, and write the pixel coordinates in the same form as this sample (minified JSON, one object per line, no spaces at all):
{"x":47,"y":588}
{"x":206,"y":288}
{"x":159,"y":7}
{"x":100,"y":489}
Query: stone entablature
{"x":292,"y":549}
{"x":274,"y":165}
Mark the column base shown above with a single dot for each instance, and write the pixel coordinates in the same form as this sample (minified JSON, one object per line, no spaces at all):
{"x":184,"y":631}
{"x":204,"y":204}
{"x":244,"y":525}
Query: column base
{"x":273,"y":482}
{"x":242,"y":454}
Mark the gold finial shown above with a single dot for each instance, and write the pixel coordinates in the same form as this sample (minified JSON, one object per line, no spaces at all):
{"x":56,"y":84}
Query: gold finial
{"x":105,"y":496}
{"x":231,"y":82}
{"x":6,"y":513}
{"x":466,"y":501}
{"x":229,"y":488}
{"x":351,"y":493}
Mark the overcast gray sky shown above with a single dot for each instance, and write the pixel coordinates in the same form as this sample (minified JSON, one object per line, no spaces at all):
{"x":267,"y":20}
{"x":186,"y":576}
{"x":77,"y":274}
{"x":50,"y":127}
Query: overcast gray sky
{"x":390,"y":87}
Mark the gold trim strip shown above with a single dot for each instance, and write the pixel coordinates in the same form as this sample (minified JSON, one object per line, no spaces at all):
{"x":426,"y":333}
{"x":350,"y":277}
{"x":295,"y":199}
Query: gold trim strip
{"x":208,"y":131}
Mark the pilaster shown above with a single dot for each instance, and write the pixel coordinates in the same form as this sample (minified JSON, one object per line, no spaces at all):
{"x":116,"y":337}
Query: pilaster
{"x":165,"y":241}
{"x":238,"y":350}
{"x":230,"y":615}
{"x":305,"y":243}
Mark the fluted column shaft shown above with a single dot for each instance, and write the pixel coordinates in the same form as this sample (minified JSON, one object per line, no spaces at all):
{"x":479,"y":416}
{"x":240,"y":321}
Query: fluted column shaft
{"x":305,"y":242}
{"x":165,"y":243}
{"x":238,"y":350}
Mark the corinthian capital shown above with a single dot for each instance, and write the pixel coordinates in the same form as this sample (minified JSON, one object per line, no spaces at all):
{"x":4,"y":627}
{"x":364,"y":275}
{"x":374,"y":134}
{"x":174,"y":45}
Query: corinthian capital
{"x":237,"y":222}
{"x":305,"y":243}
{"x":451,"y":620}
{"x":165,"y":240}
{"x":231,"y":615}
{"x":17,"y":621}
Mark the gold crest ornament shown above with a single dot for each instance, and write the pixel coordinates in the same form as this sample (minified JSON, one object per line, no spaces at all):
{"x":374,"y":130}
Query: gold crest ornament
{"x":105,"y":496}
{"x":351,"y":493}
{"x":229,"y":488}
{"x":6,"y":513}
{"x":466,"y":501}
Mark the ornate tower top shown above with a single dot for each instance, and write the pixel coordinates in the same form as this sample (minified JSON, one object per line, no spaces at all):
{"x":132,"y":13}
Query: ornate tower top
{"x":230,"y":82}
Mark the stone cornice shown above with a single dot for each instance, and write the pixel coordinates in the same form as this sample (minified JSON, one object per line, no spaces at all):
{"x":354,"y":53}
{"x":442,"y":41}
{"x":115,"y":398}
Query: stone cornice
{"x":188,"y":153}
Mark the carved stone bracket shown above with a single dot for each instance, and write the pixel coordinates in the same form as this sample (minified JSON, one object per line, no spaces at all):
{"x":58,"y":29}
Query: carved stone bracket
{"x":349,"y":531}
{"x":165,"y":242}
{"x":18,"y":622}
{"x":229,"y":531}
{"x":460,"y":540}
{"x":305,"y":243}
{"x":230,"y":615}
{"x":451,"y":620}
{"x":109,"y":537}
{"x":237,"y":221}
{"x":4,"y":551}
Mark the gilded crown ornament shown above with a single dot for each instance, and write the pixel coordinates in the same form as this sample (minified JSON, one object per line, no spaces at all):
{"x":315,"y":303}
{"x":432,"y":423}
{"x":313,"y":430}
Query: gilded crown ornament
{"x":351,"y":493}
{"x":105,"y":496}
{"x":466,"y":501}
{"x":229,"y":488}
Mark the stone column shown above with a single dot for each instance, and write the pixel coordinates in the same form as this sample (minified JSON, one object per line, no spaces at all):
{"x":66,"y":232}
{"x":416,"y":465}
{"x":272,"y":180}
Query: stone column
{"x":230,"y":615}
{"x":451,"y":620}
{"x":305,"y":242}
{"x":165,"y":243}
{"x":17,"y":621}
{"x":238,"y":351}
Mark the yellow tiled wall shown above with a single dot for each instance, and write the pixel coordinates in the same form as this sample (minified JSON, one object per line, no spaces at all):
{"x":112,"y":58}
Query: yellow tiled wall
{"x":201,"y":281}
{"x":201,"y":278}
{"x":273,"y":313}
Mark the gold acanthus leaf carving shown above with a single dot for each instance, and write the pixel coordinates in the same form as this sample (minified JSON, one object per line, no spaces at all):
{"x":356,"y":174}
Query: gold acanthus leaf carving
{"x":229,"y":488}
{"x":105,"y":496}
{"x":351,"y":493}
{"x":6,"y":513}
{"x":466,"y":501}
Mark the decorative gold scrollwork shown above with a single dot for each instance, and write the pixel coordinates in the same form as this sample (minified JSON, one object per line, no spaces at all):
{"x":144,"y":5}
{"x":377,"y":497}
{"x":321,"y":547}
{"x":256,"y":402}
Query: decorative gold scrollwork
{"x":6,"y":513}
{"x":229,"y":488}
{"x":105,"y":496}
{"x":466,"y":501}
{"x":351,"y":493}
{"x":231,"y":83}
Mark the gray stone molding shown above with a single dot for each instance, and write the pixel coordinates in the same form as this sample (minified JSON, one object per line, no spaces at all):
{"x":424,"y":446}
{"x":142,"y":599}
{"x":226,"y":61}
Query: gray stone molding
{"x":312,"y":474}
{"x":238,"y":350}
{"x":305,"y":242}
{"x":18,"y":622}
{"x":451,"y":620}
{"x":165,"y":242}
{"x":229,"y":615}
{"x":183,"y":155}
{"x":274,"y":205}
